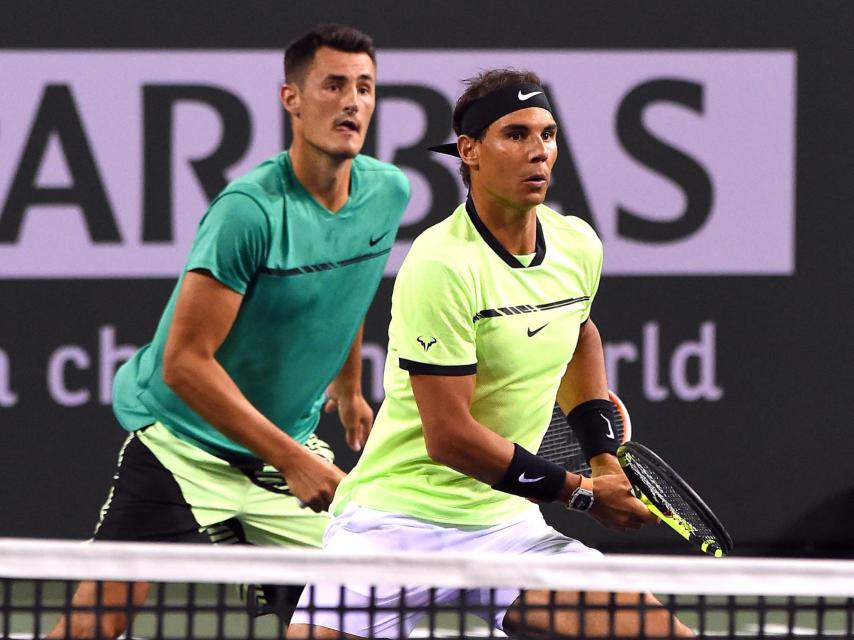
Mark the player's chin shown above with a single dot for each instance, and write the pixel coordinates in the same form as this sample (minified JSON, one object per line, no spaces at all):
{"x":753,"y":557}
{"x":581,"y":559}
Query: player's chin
{"x":346,"y":150}
{"x":532,"y":196}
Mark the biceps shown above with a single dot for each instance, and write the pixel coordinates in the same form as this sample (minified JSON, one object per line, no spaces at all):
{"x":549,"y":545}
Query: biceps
{"x":588,"y":333}
{"x":585,"y":376}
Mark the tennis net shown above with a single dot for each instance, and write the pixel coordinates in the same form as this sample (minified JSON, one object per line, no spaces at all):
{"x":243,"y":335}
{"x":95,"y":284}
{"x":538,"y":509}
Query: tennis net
{"x":200,"y":591}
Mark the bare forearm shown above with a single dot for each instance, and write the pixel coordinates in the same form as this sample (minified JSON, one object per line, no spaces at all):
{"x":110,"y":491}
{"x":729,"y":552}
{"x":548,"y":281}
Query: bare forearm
{"x":476,"y":451}
{"x":349,"y":378}
{"x":585,"y":377}
{"x":451,"y":434}
{"x":208,"y":389}
{"x":454,"y":438}
{"x":204,"y":314}
{"x":486,"y":456}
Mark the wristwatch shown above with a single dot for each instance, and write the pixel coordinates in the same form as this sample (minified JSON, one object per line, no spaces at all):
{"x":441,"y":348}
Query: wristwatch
{"x":581,"y":499}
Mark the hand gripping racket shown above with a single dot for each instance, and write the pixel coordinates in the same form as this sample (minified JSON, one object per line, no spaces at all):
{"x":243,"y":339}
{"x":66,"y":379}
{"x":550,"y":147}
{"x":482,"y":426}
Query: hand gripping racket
{"x":670,"y":498}
{"x":562,"y":447}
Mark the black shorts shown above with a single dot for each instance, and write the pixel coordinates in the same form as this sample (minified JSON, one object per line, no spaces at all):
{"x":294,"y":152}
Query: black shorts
{"x":167,"y":490}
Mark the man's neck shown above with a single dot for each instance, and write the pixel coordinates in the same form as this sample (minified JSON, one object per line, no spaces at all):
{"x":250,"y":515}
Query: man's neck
{"x":327,"y":179}
{"x":514,"y":227}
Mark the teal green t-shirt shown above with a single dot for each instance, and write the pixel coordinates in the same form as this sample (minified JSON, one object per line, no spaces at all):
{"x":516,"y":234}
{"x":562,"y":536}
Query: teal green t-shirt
{"x":307,"y":277}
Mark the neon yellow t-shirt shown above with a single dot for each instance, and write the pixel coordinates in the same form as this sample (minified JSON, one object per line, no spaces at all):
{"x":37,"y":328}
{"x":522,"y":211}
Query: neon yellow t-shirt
{"x":463,"y":305}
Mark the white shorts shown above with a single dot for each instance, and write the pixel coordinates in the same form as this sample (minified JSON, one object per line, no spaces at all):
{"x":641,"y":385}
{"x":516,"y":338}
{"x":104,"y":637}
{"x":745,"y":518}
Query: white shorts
{"x":359,"y":529}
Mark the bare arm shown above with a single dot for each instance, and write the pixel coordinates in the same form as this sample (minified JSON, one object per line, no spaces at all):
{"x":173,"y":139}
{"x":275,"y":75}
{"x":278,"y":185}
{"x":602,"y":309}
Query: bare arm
{"x":585,"y":379}
{"x":454,"y":438}
{"x":204,"y":314}
{"x":345,"y":394}
{"x":585,"y":376}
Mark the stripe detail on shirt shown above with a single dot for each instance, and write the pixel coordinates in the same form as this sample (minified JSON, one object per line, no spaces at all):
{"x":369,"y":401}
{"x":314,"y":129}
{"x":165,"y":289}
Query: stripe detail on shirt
{"x":323,"y":266}
{"x":527,"y":308}
{"x":437,"y":369}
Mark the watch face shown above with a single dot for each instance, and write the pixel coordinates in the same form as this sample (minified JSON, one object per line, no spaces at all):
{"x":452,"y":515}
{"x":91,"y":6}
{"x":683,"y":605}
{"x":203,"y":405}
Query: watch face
{"x":581,"y":500}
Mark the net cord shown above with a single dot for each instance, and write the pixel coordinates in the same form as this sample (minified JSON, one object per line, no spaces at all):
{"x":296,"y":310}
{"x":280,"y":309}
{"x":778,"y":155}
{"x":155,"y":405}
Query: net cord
{"x":60,"y":559}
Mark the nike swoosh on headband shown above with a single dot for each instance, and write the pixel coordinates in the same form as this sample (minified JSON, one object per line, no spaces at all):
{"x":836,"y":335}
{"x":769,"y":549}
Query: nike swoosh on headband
{"x":526,"y":96}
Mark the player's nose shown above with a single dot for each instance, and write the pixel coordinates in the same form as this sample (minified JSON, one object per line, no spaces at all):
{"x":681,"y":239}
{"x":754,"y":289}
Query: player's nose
{"x":539,"y":150}
{"x":351,"y":100}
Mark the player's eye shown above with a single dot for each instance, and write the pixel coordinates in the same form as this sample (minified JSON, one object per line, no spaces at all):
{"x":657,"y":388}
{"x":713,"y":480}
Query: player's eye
{"x":516,"y":135}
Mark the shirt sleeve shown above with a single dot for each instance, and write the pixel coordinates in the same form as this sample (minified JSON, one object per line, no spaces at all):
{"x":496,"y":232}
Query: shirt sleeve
{"x":432,"y":324}
{"x":232,"y":241}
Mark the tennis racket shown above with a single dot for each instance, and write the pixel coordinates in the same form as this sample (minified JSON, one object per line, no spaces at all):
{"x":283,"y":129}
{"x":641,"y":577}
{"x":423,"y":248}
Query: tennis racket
{"x":561,"y":446}
{"x":670,"y":498}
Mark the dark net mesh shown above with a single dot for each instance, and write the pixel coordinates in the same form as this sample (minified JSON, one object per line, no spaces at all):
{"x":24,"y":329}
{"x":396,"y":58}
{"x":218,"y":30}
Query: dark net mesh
{"x":200,"y":591}
{"x":31,"y":608}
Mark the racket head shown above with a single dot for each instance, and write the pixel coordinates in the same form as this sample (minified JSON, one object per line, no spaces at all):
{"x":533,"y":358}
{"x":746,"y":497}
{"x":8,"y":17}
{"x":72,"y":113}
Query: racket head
{"x":561,"y":446}
{"x":669,"y":497}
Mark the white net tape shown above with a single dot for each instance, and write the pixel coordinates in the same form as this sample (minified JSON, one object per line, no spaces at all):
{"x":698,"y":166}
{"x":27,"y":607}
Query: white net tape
{"x":34,"y":559}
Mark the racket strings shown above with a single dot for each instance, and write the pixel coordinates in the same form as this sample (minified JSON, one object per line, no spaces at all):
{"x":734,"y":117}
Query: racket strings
{"x":677,"y":502}
{"x":560,"y":445}
{"x":661,"y":491}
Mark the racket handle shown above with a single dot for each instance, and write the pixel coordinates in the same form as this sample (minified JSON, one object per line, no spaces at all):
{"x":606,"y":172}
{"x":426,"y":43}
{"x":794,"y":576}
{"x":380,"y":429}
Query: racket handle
{"x":658,"y":513}
{"x":707,"y":546}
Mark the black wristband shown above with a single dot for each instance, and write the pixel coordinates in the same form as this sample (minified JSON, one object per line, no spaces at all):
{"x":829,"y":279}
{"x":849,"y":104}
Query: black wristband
{"x":531,"y":476}
{"x":593,"y":424}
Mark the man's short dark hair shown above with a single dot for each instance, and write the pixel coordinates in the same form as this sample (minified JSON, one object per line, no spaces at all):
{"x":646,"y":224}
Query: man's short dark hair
{"x":300,"y":53}
{"x":478,"y":86}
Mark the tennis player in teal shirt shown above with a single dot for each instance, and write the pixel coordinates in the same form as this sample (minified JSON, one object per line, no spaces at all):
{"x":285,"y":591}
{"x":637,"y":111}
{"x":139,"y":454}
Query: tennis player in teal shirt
{"x":264,"y":327}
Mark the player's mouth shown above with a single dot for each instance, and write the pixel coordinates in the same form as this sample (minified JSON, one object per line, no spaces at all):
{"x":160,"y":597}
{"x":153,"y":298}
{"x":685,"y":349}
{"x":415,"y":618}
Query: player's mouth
{"x":537,"y":180}
{"x":347,"y":125}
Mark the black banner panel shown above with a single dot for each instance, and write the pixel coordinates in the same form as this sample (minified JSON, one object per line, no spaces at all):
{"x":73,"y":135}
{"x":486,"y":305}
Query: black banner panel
{"x":709,"y":147}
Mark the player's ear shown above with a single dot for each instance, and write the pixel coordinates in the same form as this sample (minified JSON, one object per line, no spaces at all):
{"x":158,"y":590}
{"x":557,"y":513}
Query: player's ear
{"x":469,"y":150}
{"x":290,"y":97}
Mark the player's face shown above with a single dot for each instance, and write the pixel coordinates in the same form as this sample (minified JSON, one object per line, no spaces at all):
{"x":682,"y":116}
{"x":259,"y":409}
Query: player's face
{"x":516,"y":157}
{"x":335,"y":104}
